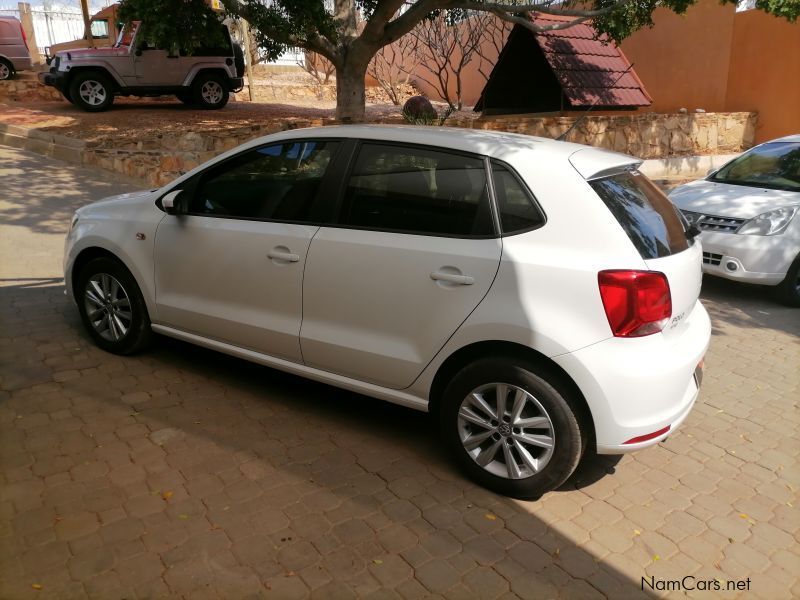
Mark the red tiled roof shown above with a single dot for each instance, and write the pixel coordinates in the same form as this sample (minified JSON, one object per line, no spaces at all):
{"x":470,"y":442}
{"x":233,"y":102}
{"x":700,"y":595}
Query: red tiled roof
{"x":587,"y":67}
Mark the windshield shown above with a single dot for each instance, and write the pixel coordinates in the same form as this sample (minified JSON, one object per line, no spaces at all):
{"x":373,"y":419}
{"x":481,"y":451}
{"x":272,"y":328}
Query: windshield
{"x":775,"y":165}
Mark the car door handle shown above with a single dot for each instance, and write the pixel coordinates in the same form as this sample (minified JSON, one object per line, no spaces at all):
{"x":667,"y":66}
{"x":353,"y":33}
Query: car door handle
{"x":283,"y":255}
{"x":452,"y":278}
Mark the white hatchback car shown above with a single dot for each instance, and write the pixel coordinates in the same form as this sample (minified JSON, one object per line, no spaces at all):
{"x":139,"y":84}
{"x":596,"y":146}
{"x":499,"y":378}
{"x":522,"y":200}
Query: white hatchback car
{"x":539,"y":297}
{"x":747,"y":211}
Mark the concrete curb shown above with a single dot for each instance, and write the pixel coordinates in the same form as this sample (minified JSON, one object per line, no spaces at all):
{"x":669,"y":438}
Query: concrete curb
{"x":684,"y":167}
{"x":43,"y":142}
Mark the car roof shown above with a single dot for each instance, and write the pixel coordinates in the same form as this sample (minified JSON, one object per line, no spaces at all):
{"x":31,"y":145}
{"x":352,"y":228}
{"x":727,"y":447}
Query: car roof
{"x":489,"y":143}
{"x":789,"y":138}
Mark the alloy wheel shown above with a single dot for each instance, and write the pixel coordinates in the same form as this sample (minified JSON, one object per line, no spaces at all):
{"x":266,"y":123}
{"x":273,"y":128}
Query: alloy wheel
{"x":506,"y":430}
{"x":108,"y":307}
{"x":5,"y":72}
{"x":93,"y":92}
{"x":211,"y":92}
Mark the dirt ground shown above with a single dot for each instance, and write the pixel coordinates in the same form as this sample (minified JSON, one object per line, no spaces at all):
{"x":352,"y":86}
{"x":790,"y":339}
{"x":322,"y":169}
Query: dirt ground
{"x":131,"y":118}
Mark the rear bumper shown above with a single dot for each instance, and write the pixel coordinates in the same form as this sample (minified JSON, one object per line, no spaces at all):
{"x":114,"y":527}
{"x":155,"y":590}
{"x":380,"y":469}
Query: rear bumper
{"x":636,"y":387}
{"x":758,"y":259}
{"x":236,"y":83}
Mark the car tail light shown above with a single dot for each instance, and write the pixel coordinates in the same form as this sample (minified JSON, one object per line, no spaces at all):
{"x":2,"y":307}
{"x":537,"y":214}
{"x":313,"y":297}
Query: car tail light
{"x":24,"y":37}
{"x":637,"y":303}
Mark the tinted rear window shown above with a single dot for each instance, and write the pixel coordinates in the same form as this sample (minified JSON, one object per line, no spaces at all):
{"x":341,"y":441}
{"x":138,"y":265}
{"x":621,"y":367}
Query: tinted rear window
{"x":644,"y":212}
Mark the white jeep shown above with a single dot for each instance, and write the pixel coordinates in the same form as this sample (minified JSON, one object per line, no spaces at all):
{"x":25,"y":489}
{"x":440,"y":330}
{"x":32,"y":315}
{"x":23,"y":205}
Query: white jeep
{"x":91,"y":77}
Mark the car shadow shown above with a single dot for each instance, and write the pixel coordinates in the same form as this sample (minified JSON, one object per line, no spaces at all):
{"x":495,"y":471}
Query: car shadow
{"x":314,"y":441}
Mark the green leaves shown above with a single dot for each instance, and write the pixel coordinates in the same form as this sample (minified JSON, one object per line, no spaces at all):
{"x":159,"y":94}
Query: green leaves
{"x":175,"y":24}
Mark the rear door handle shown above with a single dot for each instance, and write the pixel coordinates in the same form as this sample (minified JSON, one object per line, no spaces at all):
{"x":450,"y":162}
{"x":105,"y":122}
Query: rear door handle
{"x":284,"y":255}
{"x":452,"y":278}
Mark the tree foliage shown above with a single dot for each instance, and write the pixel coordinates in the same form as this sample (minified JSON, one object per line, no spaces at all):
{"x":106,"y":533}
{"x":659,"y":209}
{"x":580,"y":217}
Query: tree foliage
{"x":185,"y":24}
{"x":349,"y":33}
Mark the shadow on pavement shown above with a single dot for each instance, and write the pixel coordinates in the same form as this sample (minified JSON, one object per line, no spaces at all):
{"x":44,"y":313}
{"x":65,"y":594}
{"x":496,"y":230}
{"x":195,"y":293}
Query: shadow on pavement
{"x":297,"y":474}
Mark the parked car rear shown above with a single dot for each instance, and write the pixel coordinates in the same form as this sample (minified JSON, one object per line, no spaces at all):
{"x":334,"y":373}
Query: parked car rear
{"x":14,"y":54}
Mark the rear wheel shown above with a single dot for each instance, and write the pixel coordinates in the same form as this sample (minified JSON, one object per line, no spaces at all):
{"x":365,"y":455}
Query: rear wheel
{"x":111,"y":307}
{"x":511,"y":427}
{"x":789,"y":288}
{"x":6,"y":69}
{"x":92,"y":91}
{"x":210,"y":91}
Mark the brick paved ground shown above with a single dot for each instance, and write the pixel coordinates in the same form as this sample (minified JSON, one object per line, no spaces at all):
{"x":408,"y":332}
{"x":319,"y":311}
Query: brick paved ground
{"x":182,"y":472}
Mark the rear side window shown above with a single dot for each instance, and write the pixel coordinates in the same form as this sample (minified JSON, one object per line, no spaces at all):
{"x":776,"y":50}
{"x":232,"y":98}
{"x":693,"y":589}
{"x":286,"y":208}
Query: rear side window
{"x":644,"y":212}
{"x":418,"y":190}
{"x":518,"y":211}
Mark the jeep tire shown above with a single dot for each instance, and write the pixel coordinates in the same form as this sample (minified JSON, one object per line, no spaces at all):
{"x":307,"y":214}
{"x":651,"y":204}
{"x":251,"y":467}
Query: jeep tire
{"x":210,"y":91}
{"x":92,"y":91}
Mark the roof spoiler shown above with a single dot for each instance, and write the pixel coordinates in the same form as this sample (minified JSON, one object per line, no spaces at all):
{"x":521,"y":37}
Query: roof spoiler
{"x":594,"y":163}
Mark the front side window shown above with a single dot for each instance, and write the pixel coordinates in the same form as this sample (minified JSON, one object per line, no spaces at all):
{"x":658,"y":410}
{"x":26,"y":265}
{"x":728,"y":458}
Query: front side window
{"x":775,"y":165}
{"x":648,"y":217}
{"x":418,"y":190}
{"x":279,"y":182}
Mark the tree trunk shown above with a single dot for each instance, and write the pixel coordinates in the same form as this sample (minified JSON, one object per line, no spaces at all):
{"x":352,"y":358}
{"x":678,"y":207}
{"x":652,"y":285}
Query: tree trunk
{"x":350,"y":92}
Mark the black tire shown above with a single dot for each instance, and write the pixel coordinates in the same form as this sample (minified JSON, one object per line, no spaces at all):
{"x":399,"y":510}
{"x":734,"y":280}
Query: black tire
{"x":92,"y":91}
{"x":210,"y":91}
{"x":137,"y":334}
{"x":67,"y":97}
{"x":789,"y":288}
{"x":6,"y":70}
{"x":552,"y":396}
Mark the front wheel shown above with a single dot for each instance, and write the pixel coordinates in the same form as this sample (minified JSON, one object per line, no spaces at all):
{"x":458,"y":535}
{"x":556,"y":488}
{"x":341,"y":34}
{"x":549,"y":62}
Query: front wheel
{"x":789,"y":288}
{"x":512,"y":427}
{"x":209,"y":91}
{"x":91,"y":91}
{"x":111,"y":307}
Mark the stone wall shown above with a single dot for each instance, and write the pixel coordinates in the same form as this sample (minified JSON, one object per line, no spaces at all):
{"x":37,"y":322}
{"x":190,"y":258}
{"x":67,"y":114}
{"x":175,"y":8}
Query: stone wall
{"x":23,"y":88}
{"x":645,"y":135}
{"x":161,"y":158}
{"x":158,"y":159}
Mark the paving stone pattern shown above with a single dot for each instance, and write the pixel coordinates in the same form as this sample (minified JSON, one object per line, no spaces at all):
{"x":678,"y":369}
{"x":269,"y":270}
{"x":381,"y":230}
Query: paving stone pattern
{"x":184,"y":473}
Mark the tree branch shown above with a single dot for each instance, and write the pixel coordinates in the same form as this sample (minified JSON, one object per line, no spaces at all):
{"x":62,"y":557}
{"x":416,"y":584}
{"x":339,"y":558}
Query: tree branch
{"x":543,"y":7}
{"x":404,"y":23}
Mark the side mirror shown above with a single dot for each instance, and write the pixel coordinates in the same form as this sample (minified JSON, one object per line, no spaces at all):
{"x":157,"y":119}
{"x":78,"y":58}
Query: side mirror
{"x":170,"y":204}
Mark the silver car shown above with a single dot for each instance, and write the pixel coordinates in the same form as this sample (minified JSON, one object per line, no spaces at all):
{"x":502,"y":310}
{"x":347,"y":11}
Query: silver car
{"x":14,"y":55}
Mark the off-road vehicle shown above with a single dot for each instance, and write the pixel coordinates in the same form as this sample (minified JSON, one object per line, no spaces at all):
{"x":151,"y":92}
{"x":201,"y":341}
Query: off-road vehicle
{"x":91,"y":77}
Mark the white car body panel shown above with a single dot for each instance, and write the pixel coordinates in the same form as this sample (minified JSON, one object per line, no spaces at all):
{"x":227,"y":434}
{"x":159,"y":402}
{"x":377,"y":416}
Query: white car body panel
{"x":214,"y":278}
{"x":536,"y":289}
{"x":724,"y":199}
{"x":370,"y":308}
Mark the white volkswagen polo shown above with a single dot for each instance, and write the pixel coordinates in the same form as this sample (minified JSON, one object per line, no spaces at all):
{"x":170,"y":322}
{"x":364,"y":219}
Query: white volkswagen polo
{"x":539,"y":297}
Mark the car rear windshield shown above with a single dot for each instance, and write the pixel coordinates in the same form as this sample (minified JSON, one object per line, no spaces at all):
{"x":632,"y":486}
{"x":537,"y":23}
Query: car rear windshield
{"x":644,"y":212}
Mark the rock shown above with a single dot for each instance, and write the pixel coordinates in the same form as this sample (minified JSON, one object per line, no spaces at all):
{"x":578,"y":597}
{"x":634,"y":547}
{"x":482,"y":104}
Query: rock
{"x":419,"y":107}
